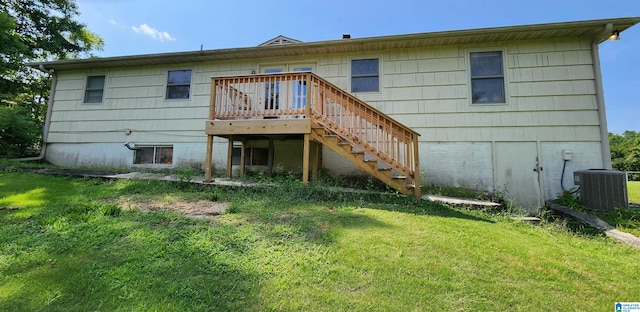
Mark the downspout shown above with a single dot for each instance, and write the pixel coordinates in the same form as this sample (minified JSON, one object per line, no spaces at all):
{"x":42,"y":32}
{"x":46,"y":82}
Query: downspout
{"x":602,"y":114}
{"x":47,"y":118}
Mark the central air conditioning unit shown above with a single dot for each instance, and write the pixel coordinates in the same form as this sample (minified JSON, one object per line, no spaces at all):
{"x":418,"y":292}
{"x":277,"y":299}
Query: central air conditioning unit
{"x":601,"y":189}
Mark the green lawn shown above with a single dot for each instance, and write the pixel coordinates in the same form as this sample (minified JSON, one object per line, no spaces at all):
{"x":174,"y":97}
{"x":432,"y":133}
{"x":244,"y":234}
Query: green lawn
{"x":634,"y":191}
{"x":81,"y":245}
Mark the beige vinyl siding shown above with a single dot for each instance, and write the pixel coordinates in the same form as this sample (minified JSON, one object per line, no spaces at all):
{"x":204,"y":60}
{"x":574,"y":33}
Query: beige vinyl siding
{"x":550,"y":84}
{"x":144,"y":137}
{"x":335,"y":69}
{"x":175,"y":124}
{"x":133,"y":114}
{"x":557,"y":103}
{"x":134,"y":99}
{"x":502,"y":119}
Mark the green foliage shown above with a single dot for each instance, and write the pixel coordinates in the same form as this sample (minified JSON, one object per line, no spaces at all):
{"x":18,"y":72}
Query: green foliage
{"x":185,"y":175}
{"x":19,"y":132}
{"x":35,"y":31}
{"x":570,"y":200}
{"x":32,"y":31}
{"x":12,"y":51}
{"x":623,"y":219}
{"x":625,"y":152}
{"x":48,"y":28}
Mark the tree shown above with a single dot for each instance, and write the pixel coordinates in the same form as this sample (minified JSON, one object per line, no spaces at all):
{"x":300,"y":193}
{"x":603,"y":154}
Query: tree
{"x":625,"y":152}
{"x":47,"y":28}
{"x":37,"y":30}
{"x":12,"y":52}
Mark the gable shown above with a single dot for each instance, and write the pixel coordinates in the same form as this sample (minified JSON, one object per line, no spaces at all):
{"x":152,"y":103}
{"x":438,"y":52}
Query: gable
{"x":279,"y":40}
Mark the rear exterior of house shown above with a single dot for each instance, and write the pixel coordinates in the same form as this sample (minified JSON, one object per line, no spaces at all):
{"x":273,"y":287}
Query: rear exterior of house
{"x":496,"y":109}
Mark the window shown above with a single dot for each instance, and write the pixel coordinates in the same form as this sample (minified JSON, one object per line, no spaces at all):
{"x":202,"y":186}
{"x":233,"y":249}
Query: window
{"x":178,"y":84}
{"x":300,"y":89}
{"x":272,"y":92}
{"x":94,"y":90}
{"x":365,"y":76}
{"x":253,"y":156}
{"x":161,"y":155}
{"x":487,"y":77}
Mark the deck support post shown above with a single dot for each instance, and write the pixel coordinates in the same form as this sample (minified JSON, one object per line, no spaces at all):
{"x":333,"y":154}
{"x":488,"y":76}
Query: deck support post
{"x":270,"y":158}
{"x":243,"y":150}
{"x":305,"y":159}
{"x":209,"y":159}
{"x":317,"y":160}
{"x":212,"y":115}
{"x":229,"y":156}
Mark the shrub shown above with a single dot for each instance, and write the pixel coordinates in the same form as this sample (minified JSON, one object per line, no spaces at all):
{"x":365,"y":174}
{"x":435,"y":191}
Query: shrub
{"x":19,"y":133}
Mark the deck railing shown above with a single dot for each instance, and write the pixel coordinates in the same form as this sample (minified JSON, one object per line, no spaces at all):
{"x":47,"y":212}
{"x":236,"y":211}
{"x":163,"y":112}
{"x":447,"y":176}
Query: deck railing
{"x":259,"y":96}
{"x":307,"y":95}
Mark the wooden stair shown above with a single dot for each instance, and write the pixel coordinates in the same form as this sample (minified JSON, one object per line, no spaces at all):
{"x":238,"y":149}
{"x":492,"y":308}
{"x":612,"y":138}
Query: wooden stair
{"x":325,"y":113}
{"x":362,"y":160}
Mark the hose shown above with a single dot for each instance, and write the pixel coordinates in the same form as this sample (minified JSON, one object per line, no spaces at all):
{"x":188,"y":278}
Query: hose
{"x":564,"y":166}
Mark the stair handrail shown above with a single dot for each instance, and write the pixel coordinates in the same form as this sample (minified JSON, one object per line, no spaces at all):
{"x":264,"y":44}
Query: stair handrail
{"x":355,"y":107}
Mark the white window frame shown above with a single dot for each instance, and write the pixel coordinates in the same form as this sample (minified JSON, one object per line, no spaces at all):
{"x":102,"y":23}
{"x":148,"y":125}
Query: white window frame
{"x":155,"y":150}
{"x":167,"y":85}
{"x":87,"y":89}
{"x":505,"y":75}
{"x":350,"y":76}
{"x":287,"y":66}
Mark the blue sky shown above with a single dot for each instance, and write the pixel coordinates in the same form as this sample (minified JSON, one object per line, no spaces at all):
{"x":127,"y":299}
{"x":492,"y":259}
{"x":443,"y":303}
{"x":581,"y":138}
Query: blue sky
{"x":131,"y":27}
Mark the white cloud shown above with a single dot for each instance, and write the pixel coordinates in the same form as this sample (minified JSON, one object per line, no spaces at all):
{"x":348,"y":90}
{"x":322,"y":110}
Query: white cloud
{"x":147,"y":30}
{"x":113,"y":22}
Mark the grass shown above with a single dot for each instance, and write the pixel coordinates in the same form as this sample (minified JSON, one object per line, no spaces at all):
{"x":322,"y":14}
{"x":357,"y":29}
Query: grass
{"x":73,"y":245}
{"x":634,"y":191}
{"x":453,"y":192}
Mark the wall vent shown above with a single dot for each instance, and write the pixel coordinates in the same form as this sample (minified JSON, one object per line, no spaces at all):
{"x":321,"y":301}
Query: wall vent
{"x":601,"y":189}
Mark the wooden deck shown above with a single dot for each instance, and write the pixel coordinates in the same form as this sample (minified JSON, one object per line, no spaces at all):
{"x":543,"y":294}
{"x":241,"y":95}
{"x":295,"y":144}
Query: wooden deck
{"x":307,"y":107}
{"x":225,"y":128}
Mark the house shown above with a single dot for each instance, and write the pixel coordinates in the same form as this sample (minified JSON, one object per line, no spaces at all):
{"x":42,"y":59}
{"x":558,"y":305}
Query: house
{"x":496,"y":109}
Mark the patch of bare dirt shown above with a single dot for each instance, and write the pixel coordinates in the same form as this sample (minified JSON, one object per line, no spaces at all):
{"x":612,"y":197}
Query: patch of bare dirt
{"x":200,"y":208}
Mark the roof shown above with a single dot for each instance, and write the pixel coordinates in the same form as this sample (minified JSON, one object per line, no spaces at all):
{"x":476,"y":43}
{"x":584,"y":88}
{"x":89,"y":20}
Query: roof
{"x":593,"y":29}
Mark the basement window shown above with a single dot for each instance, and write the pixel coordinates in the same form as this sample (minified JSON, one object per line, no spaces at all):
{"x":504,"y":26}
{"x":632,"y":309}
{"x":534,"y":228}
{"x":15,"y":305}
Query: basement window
{"x":178,"y":84}
{"x":94,"y":91}
{"x":487,"y":77}
{"x":254,"y":156}
{"x":159,"y":155}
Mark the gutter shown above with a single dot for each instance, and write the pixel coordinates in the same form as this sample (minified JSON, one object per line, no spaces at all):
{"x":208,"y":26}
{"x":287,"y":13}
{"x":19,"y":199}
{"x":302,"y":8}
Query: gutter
{"x":605,"y":149}
{"x":47,"y":118}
